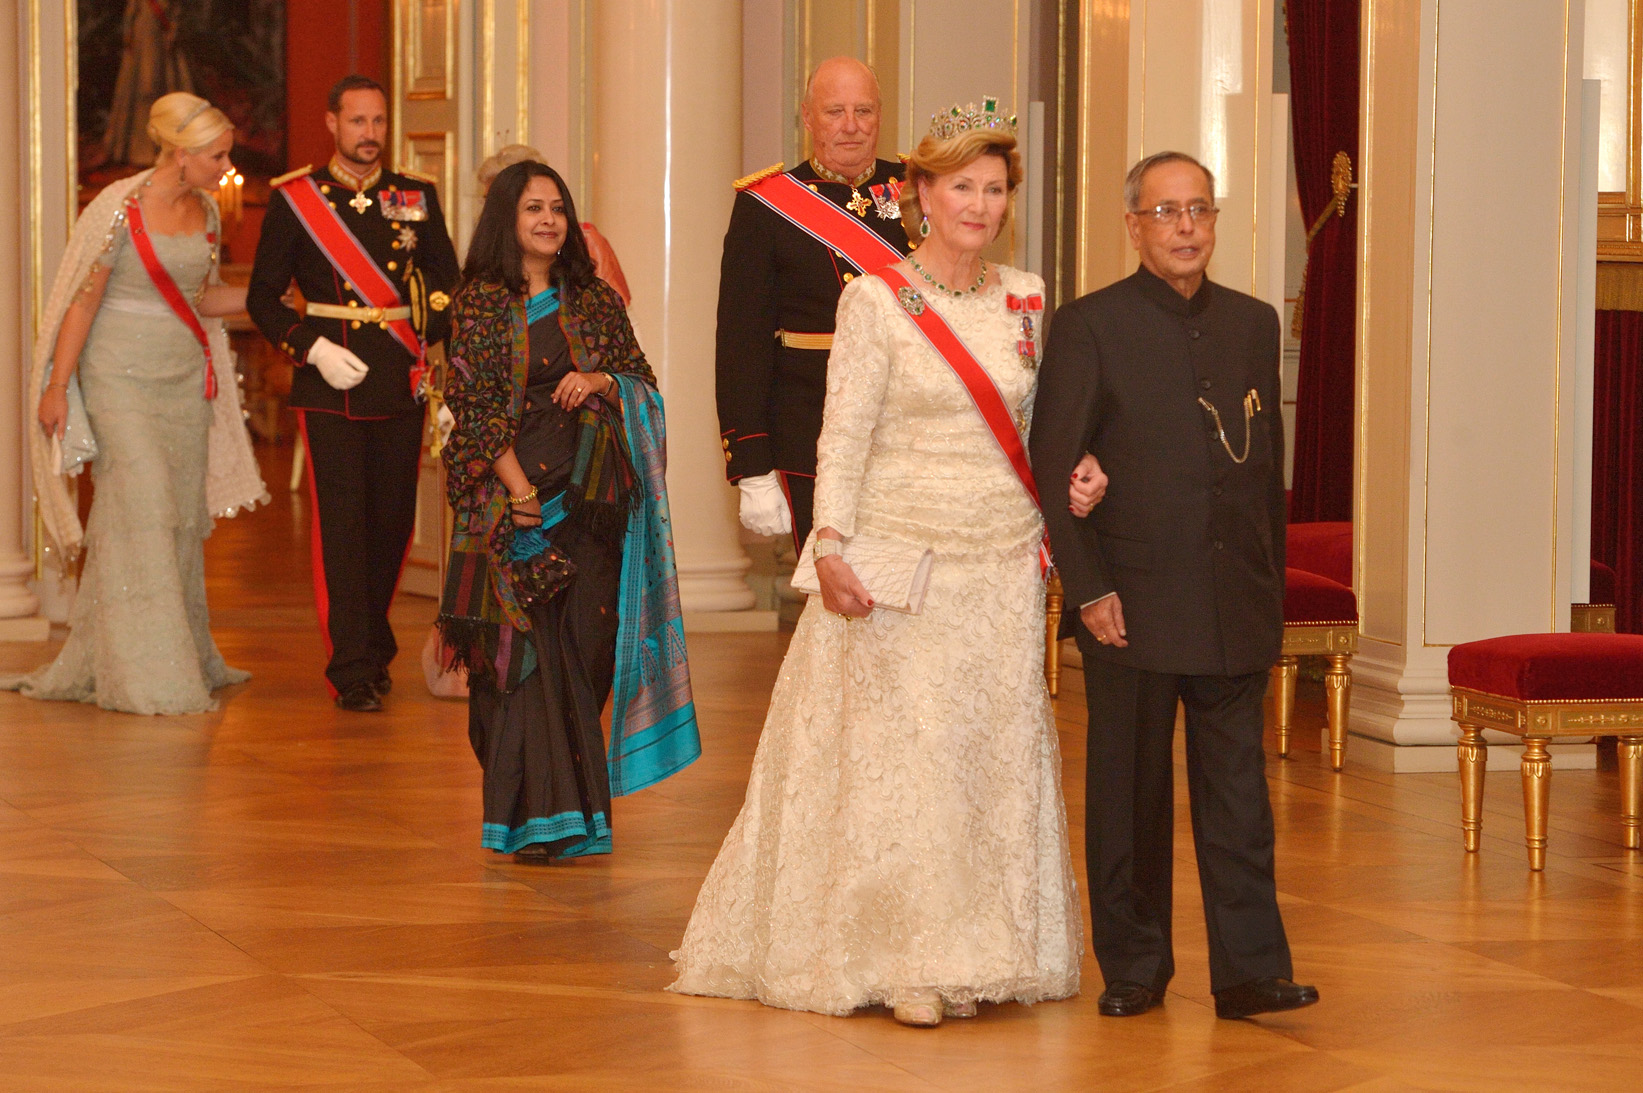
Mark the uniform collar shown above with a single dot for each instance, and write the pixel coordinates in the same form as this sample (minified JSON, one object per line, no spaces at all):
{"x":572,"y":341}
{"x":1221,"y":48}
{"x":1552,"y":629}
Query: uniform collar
{"x":358,"y":183}
{"x":834,"y":176}
{"x":882,"y":169}
{"x":1159,"y":291}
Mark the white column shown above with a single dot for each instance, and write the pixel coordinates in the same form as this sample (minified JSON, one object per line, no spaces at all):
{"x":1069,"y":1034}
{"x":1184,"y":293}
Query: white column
{"x":19,"y":607}
{"x":666,"y":147}
{"x":1466,"y":348}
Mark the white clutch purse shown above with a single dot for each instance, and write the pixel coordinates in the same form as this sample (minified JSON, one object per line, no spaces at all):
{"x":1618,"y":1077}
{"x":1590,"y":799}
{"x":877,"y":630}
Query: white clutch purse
{"x":895,"y":575}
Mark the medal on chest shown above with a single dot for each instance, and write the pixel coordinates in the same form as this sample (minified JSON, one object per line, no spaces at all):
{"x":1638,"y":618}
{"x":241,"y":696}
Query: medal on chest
{"x":1029,"y":313}
{"x":403,"y":205}
{"x":359,"y":202}
{"x":887,"y":199}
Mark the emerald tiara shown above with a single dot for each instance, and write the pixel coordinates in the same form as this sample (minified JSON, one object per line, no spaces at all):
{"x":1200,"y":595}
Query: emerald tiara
{"x":961,"y":119}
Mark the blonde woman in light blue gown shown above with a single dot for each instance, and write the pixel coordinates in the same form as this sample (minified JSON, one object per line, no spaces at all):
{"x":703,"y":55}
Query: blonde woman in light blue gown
{"x":120,"y":381}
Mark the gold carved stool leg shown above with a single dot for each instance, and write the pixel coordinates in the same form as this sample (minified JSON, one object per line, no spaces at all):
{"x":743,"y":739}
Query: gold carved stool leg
{"x":1338,"y":693}
{"x":1283,"y":700}
{"x":1054,"y":599}
{"x":1474,"y":757}
{"x":1537,"y":797}
{"x":1630,"y":753}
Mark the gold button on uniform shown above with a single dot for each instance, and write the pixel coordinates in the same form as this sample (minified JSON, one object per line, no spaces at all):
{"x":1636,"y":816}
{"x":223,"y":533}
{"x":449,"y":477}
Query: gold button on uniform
{"x":324,"y":189}
{"x":393,"y":265}
{"x":356,"y":324}
{"x":849,"y":277}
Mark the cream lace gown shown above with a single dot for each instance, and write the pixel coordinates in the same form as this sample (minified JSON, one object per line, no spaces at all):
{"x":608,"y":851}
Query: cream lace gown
{"x":904,"y":828}
{"x":140,"y":636}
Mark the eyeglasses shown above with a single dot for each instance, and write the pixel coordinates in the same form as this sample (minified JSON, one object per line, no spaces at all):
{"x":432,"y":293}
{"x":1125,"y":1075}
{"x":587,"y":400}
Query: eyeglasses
{"x":1170,"y":213}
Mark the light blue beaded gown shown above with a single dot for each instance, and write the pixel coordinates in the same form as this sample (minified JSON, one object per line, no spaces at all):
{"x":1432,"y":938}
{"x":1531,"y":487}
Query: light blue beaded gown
{"x":140,"y":637}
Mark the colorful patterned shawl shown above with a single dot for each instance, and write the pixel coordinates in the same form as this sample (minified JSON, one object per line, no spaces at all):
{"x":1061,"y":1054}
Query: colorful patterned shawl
{"x":653,"y":731}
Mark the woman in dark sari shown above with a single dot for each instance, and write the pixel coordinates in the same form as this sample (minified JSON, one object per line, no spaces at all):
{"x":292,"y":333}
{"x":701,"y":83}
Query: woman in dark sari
{"x":561,"y":588}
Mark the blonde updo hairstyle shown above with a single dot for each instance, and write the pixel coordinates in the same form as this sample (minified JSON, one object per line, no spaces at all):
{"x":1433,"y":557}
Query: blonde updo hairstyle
{"x":936,"y":156}
{"x":181,"y":120}
{"x":503,"y":158}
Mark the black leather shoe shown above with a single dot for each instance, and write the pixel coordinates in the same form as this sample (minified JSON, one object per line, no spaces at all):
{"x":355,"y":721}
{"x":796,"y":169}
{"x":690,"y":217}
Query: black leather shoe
{"x":360,"y":698}
{"x":1267,"y":995}
{"x":1126,"y":999}
{"x":383,"y":683}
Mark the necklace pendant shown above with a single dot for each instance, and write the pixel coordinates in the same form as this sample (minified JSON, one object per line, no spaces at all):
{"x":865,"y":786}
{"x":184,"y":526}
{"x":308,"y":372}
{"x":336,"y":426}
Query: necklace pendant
{"x":858,"y":203}
{"x":359,"y":202}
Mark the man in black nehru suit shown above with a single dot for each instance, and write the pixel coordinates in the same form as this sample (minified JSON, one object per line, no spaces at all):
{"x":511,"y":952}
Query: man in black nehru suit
{"x":1171,"y":382}
{"x":368,"y":250}
{"x":795,"y":239}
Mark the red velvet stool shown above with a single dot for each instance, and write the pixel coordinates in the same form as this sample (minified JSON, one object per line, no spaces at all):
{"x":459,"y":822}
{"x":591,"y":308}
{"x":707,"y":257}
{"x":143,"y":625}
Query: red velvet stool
{"x":1320,"y":619}
{"x":1540,"y":686}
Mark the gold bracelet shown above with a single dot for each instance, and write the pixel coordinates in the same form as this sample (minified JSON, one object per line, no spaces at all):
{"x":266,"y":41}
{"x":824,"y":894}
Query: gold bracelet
{"x":531,"y":496}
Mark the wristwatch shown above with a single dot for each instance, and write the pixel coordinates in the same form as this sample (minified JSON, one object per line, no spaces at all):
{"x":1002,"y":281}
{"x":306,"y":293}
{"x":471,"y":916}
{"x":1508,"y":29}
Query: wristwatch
{"x":824,"y":547}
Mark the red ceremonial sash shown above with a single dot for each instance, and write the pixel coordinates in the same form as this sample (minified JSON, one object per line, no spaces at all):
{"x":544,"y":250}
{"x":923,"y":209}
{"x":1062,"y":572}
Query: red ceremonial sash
{"x":350,"y":259}
{"x":983,"y":391}
{"x":825,"y":222}
{"x":169,"y":292}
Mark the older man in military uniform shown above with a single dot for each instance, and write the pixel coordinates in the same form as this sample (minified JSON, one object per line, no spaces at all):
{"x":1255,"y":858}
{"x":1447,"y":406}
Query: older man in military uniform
{"x":796,"y":237}
{"x":368,"y":250}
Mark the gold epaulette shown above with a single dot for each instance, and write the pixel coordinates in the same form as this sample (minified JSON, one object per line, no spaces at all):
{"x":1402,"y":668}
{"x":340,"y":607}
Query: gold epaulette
{"x":759,"y":176}
{"x":290,"y":176}
{"x":426,"y":180}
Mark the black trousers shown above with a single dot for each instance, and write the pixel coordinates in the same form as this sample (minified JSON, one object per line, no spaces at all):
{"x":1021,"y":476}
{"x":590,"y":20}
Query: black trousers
{"x":801,"y":500}
{"x":363,"y":484}
{"x":1129,"y":822}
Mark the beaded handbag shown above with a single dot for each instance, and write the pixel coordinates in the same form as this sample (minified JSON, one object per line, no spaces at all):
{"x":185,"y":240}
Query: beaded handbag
{"x":895,"y":574}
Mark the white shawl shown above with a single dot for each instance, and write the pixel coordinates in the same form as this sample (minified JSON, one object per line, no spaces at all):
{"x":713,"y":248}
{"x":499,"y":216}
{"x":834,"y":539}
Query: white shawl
{"x":233,"y":481}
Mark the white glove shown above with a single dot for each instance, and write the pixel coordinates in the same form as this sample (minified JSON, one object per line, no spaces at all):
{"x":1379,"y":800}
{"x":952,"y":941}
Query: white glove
{"x":764,"y":509}
{"x":341,"y":367}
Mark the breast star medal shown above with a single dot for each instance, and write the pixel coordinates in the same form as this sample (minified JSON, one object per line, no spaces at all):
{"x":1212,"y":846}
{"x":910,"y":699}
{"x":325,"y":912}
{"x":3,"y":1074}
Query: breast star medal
{"x":407,"y":237}
{"x":858,"y":203}
{"x":359,"y":202}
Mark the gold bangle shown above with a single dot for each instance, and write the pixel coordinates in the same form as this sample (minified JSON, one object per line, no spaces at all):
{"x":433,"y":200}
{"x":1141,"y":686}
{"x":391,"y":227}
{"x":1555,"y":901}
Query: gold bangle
{"x":531,"y":496}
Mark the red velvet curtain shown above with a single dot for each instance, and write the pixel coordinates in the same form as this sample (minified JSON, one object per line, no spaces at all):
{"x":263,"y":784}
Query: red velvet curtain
{"x":1323,"y":103}
{"x":1617,"y":460}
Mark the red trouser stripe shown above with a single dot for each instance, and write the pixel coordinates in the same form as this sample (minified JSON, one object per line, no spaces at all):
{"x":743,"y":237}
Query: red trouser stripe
{"x":316,"y":545}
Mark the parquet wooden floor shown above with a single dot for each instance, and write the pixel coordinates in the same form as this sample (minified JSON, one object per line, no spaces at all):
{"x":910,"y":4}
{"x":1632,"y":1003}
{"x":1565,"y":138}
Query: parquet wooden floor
{"x":283,"y":896}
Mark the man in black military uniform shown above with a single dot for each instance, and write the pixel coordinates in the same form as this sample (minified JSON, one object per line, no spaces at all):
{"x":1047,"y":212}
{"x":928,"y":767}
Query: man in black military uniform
{"x":778,"y":292}
{"x":357,"y":384}
{"x":1171,"y":382}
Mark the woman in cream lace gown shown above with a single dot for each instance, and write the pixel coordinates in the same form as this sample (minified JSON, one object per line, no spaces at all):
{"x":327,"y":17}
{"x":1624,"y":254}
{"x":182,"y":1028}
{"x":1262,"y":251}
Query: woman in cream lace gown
{"x":903,"y":840}
{"x":140,"y":638}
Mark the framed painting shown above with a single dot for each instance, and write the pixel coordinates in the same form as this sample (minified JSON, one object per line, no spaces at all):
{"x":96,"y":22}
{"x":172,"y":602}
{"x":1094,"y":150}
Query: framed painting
{"x":131,"y":52}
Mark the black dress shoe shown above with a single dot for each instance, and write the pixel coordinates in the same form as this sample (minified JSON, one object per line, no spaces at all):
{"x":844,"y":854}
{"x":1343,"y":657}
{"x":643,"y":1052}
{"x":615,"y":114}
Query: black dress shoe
{"x":383,"y":683}
{"x":1267,"y":995}
{"x":1125,"y":999}
{"x":360,"y":698}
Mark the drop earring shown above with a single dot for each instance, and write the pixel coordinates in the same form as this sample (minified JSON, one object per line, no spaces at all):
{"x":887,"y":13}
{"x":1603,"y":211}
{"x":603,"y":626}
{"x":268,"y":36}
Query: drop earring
{"x":924,"y":228}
